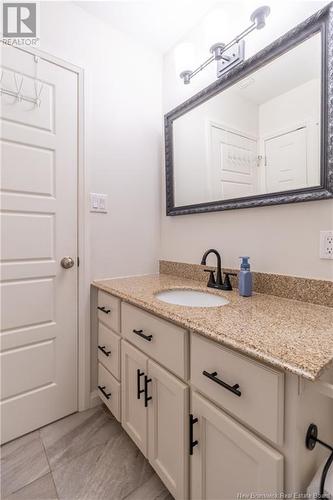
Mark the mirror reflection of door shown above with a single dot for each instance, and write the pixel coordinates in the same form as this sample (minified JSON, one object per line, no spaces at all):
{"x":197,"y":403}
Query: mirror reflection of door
{"x":286,"y":161}
{"x":233,"y":163}
{"x":289,"y":159}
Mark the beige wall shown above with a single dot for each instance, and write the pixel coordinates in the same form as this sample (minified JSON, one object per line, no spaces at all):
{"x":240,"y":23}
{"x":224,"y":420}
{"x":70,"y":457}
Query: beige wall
{"x":122,"y":141}
{"x":281,"y":239}
{"x":122,"y":132}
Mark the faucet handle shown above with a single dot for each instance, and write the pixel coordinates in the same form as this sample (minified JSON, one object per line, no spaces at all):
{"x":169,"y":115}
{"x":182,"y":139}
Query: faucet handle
{"x":211,"y":281}
{"x":227,"y":283}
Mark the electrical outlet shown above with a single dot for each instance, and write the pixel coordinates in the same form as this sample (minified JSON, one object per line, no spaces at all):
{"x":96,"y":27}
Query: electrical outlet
{"x":326,"y":244}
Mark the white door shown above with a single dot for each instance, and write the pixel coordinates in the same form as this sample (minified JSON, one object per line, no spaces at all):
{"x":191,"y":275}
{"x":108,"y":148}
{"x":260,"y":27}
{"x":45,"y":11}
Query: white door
{"x":168,"y":429}
{"x":134,"y":413}
{"x":286,"y":161}
{"x":233,"y":164}
{"x":228,"y":460}
{"x":38,"y":229}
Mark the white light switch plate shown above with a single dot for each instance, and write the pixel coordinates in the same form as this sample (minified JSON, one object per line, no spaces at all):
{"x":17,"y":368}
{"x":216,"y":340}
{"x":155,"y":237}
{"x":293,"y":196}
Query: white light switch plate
{"x":326,"y":244}
{"x":98,"y":203}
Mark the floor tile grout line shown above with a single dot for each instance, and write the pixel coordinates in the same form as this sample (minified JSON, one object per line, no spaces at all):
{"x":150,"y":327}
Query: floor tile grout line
{"x":54,"y":468}
{"x":136,"y":488}
{"x":48,"y":462}
{"x":72,"y":462}
{"x":142,"y":484}
{"x":28,"y":484}
{"x":36,"y":478}
{"x":102,"y":445}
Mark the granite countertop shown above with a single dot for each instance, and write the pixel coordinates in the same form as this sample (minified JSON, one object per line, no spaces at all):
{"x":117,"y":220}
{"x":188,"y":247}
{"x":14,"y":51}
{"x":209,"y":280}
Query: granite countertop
{"x":288,"y":334}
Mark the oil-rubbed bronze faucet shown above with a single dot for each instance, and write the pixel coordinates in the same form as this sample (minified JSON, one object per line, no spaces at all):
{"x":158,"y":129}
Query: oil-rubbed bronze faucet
{"x":218,"y":282}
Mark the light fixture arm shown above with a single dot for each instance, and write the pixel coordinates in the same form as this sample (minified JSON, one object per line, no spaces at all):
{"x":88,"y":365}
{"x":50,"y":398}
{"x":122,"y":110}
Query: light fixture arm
{"x":218,"y":50}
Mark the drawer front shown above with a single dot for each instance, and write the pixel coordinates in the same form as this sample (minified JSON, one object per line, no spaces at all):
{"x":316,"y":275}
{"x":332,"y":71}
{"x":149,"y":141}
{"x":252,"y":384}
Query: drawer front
{"x":109,"y":390}
{"x":252,"y":392}
{"x":159,"y":339}
{"x":109,"y":349}
{"x":108,"y":310}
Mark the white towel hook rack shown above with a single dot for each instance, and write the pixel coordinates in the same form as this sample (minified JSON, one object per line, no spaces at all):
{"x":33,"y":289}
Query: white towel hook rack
{"x":18,"y":85}
{"x":17,"y":94}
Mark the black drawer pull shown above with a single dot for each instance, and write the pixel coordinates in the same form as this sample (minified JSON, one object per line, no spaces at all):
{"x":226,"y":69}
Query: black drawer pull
{"x":102,"y":348}
{"x":101,"y":388}
{"x":232,"y":388}
{"x":142,"y":335}
{"x":104,"y":310}
{"x":139,"y":374}
{"x":193,"y":420}
{"x":147,"y":398}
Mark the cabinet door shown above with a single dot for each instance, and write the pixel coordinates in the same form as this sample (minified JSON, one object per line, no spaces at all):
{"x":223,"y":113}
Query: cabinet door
{"x":134,"y":414}
{"x":228,"y":460}
{"x":168,"y":429}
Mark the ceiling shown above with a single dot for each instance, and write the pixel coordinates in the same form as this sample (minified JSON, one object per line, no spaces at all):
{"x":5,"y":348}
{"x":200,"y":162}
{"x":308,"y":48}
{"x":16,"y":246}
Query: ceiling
{"x":283,"y":73}
{"x":159,"y":23}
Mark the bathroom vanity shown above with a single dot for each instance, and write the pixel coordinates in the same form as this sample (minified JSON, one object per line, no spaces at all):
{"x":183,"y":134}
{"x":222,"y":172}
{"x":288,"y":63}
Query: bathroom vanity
{"x":219,"y":399}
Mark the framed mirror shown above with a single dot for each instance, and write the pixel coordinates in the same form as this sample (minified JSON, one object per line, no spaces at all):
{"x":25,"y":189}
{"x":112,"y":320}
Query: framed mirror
{"x":260,"y":135}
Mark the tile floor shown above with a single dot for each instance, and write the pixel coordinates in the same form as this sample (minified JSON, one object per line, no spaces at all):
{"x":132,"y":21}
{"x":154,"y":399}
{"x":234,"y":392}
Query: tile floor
{"x":86,"y":456}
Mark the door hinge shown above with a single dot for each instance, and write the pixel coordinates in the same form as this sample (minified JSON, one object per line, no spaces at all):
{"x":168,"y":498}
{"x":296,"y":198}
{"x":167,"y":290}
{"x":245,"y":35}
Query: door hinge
{"x":78,"y":261}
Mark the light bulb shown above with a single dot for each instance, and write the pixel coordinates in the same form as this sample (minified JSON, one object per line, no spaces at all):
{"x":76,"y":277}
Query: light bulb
{"x":184,"y":57}
{"x":216,"y":27}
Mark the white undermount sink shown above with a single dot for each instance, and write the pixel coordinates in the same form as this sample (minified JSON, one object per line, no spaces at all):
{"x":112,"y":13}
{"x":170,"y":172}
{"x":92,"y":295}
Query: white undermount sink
{"x":191,"y":298}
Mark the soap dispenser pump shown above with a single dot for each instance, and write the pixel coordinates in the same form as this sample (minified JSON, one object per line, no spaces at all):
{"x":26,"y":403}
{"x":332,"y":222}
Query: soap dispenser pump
{"x":245,"y":278}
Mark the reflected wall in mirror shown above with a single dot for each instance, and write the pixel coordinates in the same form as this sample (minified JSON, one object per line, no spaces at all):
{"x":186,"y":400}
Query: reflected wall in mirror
{"x":263,"y":135}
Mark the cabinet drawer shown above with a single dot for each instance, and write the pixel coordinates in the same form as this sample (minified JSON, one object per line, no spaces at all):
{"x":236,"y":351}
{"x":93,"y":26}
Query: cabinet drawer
{"x":258,"y":391}
{"x":109,"y":349}
{"x":108,"y":309}
{"x":161,"y":340}
{"x":109,"y":390}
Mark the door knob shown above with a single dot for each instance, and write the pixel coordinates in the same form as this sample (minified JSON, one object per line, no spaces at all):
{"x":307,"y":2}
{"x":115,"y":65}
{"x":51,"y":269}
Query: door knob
{"x":67,"y":262}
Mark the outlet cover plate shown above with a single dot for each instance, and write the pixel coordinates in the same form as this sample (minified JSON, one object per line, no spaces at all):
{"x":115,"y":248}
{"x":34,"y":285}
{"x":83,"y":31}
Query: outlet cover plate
{"x":98,"y":203}
{"x":326,"y":244}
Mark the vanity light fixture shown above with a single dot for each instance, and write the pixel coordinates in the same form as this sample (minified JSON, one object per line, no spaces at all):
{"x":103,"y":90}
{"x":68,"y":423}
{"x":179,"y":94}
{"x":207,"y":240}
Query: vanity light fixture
{"x":229,"y":55}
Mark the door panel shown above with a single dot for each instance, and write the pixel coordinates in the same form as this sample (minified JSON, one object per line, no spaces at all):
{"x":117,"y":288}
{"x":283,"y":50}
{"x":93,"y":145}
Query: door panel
{"x":134,"y":412}
{"x":222,"y":443}
{"x":17,"y":381}
{"x":168,"y":429}
{"x":234,"y":164}
{"x":33,"y":176}
{"x":286,"y":161}
{"x":26,"y":303}
{"x":14,"y":242}
{"x":38,"y":228}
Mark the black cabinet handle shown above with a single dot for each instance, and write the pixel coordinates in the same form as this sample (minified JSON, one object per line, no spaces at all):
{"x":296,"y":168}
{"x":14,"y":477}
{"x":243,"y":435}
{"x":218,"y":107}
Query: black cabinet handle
{"x":147,"y":398}
{"x":142,"y":335}
{"x":102,"y":348}
{"x":104,"y":309}
{"x":101,"y":388}
{"x":232,"y":388}
{"x":139,"y":374}
{"x":193,"y":420}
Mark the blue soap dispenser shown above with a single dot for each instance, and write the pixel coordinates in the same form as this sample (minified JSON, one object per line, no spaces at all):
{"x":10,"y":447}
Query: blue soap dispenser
{"x":245,"y":278}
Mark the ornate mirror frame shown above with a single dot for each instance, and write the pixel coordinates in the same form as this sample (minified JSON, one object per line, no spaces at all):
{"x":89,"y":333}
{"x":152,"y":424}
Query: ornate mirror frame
{"x":321,"y":22}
